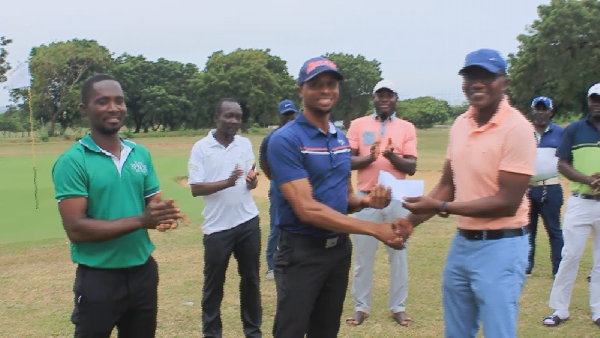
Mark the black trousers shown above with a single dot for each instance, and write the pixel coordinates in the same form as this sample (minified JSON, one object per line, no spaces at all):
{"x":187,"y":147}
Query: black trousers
{"x":125,"y":298}
{"x":311,"y":278}
{"x":243,"y":242}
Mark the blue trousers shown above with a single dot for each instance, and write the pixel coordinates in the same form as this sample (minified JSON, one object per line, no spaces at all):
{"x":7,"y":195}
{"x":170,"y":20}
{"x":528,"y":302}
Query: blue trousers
{"x":550,"y":212}
{"x":482,"y":282}
{"x":273,"y":236}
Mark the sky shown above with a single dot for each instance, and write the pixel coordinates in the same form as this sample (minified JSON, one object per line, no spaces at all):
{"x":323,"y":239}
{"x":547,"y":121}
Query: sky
{"x":421,"y":44}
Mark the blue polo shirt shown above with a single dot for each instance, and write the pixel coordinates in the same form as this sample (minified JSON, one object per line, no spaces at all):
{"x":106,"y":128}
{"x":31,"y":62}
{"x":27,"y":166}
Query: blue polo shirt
{"x":273,"y":191}
{"x":581,"y":146}
{"x":301,"y":150}
{"x":546,"y":160}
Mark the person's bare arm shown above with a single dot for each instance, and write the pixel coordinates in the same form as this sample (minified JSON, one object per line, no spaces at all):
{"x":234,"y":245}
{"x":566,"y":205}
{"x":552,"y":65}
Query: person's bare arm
{"x":406,"y":164}
{"x":80,"y":228}
{"x":299,"y":195}
{"x":504,"y":204}
{"x":566,"y":169}
{"x":443,"y":191}
{"x":361,"y":162}
{"x":209,"y":188}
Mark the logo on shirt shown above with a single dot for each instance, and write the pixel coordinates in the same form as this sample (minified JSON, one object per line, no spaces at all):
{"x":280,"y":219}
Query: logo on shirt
{"x":139,"y":167}
{"x":341,"y":142}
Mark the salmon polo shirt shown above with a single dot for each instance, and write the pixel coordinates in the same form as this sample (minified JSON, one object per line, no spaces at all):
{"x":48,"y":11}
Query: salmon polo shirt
{"x":478,"y":154}
{"x":364,"y":131}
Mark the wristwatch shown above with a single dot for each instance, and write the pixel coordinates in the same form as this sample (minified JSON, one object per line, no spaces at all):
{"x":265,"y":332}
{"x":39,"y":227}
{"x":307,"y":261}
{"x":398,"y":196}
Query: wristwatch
{"x":442,"y":211}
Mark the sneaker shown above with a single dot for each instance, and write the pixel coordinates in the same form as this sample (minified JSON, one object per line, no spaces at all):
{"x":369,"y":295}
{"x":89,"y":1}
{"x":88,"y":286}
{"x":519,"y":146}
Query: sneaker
{"x":269,"y":275}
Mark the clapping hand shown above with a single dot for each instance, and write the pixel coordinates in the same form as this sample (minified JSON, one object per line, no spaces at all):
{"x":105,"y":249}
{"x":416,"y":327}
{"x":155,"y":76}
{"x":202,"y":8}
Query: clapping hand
{"x":252,"y":177}
{"x":389,"y":149}
{"x":162,"y":214}
{"x":374,"y":153}
{"x":235,"y":175}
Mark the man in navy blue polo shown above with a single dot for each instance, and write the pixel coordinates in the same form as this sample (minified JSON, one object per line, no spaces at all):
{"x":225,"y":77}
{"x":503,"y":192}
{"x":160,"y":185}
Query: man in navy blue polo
{"x":287,"y":113}
{"x":309,"y":159}
{"x":545,"y":193}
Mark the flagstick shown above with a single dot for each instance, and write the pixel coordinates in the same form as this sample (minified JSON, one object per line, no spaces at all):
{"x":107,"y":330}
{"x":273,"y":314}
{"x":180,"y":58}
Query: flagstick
{"x":35,"y":186}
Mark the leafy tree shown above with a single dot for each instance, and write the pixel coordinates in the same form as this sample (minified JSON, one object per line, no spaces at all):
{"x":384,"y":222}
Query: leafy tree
{"x":455,"y":111}
{"x":424,"y":112}
{"x":257,"y":79}
{"x":145,"y":81}
{"x":559,"y":55}
{"x":4,"y":66}
{"x":58,"y":71}
{"x":356,"y":91}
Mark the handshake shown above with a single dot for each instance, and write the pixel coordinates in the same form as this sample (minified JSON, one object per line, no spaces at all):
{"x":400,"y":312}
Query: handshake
{"x":392,"y":234}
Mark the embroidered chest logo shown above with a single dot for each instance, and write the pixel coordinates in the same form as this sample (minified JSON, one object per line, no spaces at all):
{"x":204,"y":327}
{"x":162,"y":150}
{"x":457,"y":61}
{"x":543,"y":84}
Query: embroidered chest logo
{"x":139,"y":167}
{"x":341,"y":142}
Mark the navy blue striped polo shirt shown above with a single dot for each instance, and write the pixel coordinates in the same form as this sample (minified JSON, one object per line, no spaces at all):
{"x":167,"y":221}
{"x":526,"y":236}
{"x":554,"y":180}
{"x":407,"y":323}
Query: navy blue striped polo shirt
{"x":301,"y":150}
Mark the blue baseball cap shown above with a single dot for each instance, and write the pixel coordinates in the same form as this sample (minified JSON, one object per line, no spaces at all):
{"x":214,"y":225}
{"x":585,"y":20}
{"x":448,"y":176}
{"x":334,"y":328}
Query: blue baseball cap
{"x":544,"y":100}
{"x":489,"y":59}
{"x":287,"y":106}
{"x":316,"y":66}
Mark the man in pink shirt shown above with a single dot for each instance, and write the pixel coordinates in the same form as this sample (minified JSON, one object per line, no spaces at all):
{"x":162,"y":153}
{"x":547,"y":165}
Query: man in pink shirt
{"x":489,"y":162}
{"x":381,"y":141}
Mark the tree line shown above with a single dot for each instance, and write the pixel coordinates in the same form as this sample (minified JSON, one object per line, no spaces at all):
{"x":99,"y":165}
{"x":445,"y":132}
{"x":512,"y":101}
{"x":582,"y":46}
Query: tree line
{"x":558,"y":56}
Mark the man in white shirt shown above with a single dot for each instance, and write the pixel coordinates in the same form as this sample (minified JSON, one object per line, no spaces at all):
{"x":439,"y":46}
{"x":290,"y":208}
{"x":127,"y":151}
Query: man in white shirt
{"x":231,"y":225}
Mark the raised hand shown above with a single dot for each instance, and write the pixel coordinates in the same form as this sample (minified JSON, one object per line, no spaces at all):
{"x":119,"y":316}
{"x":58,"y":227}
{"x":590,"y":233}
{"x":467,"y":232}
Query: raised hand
{"x":389,"y":149}
{"x":235,"y":175}
{"x":378,"y":198}
{"x":252,"y":177}
{"x":375,"y":150}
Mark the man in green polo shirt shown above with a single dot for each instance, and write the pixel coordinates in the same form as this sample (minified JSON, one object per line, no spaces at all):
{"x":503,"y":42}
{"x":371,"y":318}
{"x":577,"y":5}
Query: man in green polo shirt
{"x":108,"y":196}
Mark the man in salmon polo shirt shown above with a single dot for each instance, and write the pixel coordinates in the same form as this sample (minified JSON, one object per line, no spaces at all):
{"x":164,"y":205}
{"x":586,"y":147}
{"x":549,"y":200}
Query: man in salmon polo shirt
{"x":489,"y":162}
{"x":380,"y":141}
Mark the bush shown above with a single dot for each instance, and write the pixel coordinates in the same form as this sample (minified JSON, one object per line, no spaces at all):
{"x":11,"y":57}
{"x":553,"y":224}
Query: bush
{"x":424,"y":112}
{"x":255,"y":129}
{"x":45,"y":137}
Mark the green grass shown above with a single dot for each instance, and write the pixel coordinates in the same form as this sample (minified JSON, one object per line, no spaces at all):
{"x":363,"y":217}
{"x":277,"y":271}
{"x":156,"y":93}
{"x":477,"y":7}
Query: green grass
{"x":36,"y":273}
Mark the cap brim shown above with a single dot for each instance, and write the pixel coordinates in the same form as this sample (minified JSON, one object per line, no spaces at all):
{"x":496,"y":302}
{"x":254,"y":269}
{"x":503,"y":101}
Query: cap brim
{"x":288,"y":111}
{"x":388,"y":88}
{"x":593,"y":93}
{"x":335,"y":72}
{"x":488,"y":67}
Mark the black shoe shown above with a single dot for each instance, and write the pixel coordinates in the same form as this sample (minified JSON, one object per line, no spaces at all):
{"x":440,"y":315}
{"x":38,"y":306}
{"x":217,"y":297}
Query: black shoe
{"x":589,"y":278}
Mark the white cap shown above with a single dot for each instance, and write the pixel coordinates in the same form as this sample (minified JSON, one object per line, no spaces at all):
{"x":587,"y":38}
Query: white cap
{"x":595,"y":89}
{"x":387,"y":84}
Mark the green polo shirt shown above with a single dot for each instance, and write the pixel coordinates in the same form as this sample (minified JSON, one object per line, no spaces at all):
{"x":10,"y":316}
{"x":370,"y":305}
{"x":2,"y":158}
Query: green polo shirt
{"x":114,"y":188}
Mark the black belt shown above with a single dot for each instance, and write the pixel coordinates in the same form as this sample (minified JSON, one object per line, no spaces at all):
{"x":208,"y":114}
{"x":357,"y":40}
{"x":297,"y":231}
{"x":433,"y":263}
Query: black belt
{"x":493,"y":234}
{"x":313,"y":241}
{"x":587,"y":197}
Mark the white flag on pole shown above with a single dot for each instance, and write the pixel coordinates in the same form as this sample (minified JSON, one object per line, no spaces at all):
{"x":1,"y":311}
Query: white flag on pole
{"x":19,"y":77}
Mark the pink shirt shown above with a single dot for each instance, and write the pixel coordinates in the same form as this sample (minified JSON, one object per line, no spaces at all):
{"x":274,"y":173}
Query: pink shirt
{"x":478,"y":154}
{"x":364,"y":131}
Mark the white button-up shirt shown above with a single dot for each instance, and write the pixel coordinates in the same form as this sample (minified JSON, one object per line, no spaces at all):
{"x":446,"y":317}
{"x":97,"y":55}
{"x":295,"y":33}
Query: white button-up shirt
{"x":210,"y":161}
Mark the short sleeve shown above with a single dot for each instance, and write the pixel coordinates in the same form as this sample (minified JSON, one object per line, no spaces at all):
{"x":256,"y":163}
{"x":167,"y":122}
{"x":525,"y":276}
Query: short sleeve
{"x":151,"y":185}
{"x":196,"y":166}
{"x":352,"y":136}
{"x":69,"y":177}
{"x":409,"y":148}
{"x":285,"y":159}
{"x":563,"y":151}
{"x":519,"y":150}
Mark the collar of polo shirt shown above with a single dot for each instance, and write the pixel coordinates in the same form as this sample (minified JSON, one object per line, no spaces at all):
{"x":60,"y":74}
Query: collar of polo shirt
{"x":391,"y":117}
{"x":313,"y":130}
